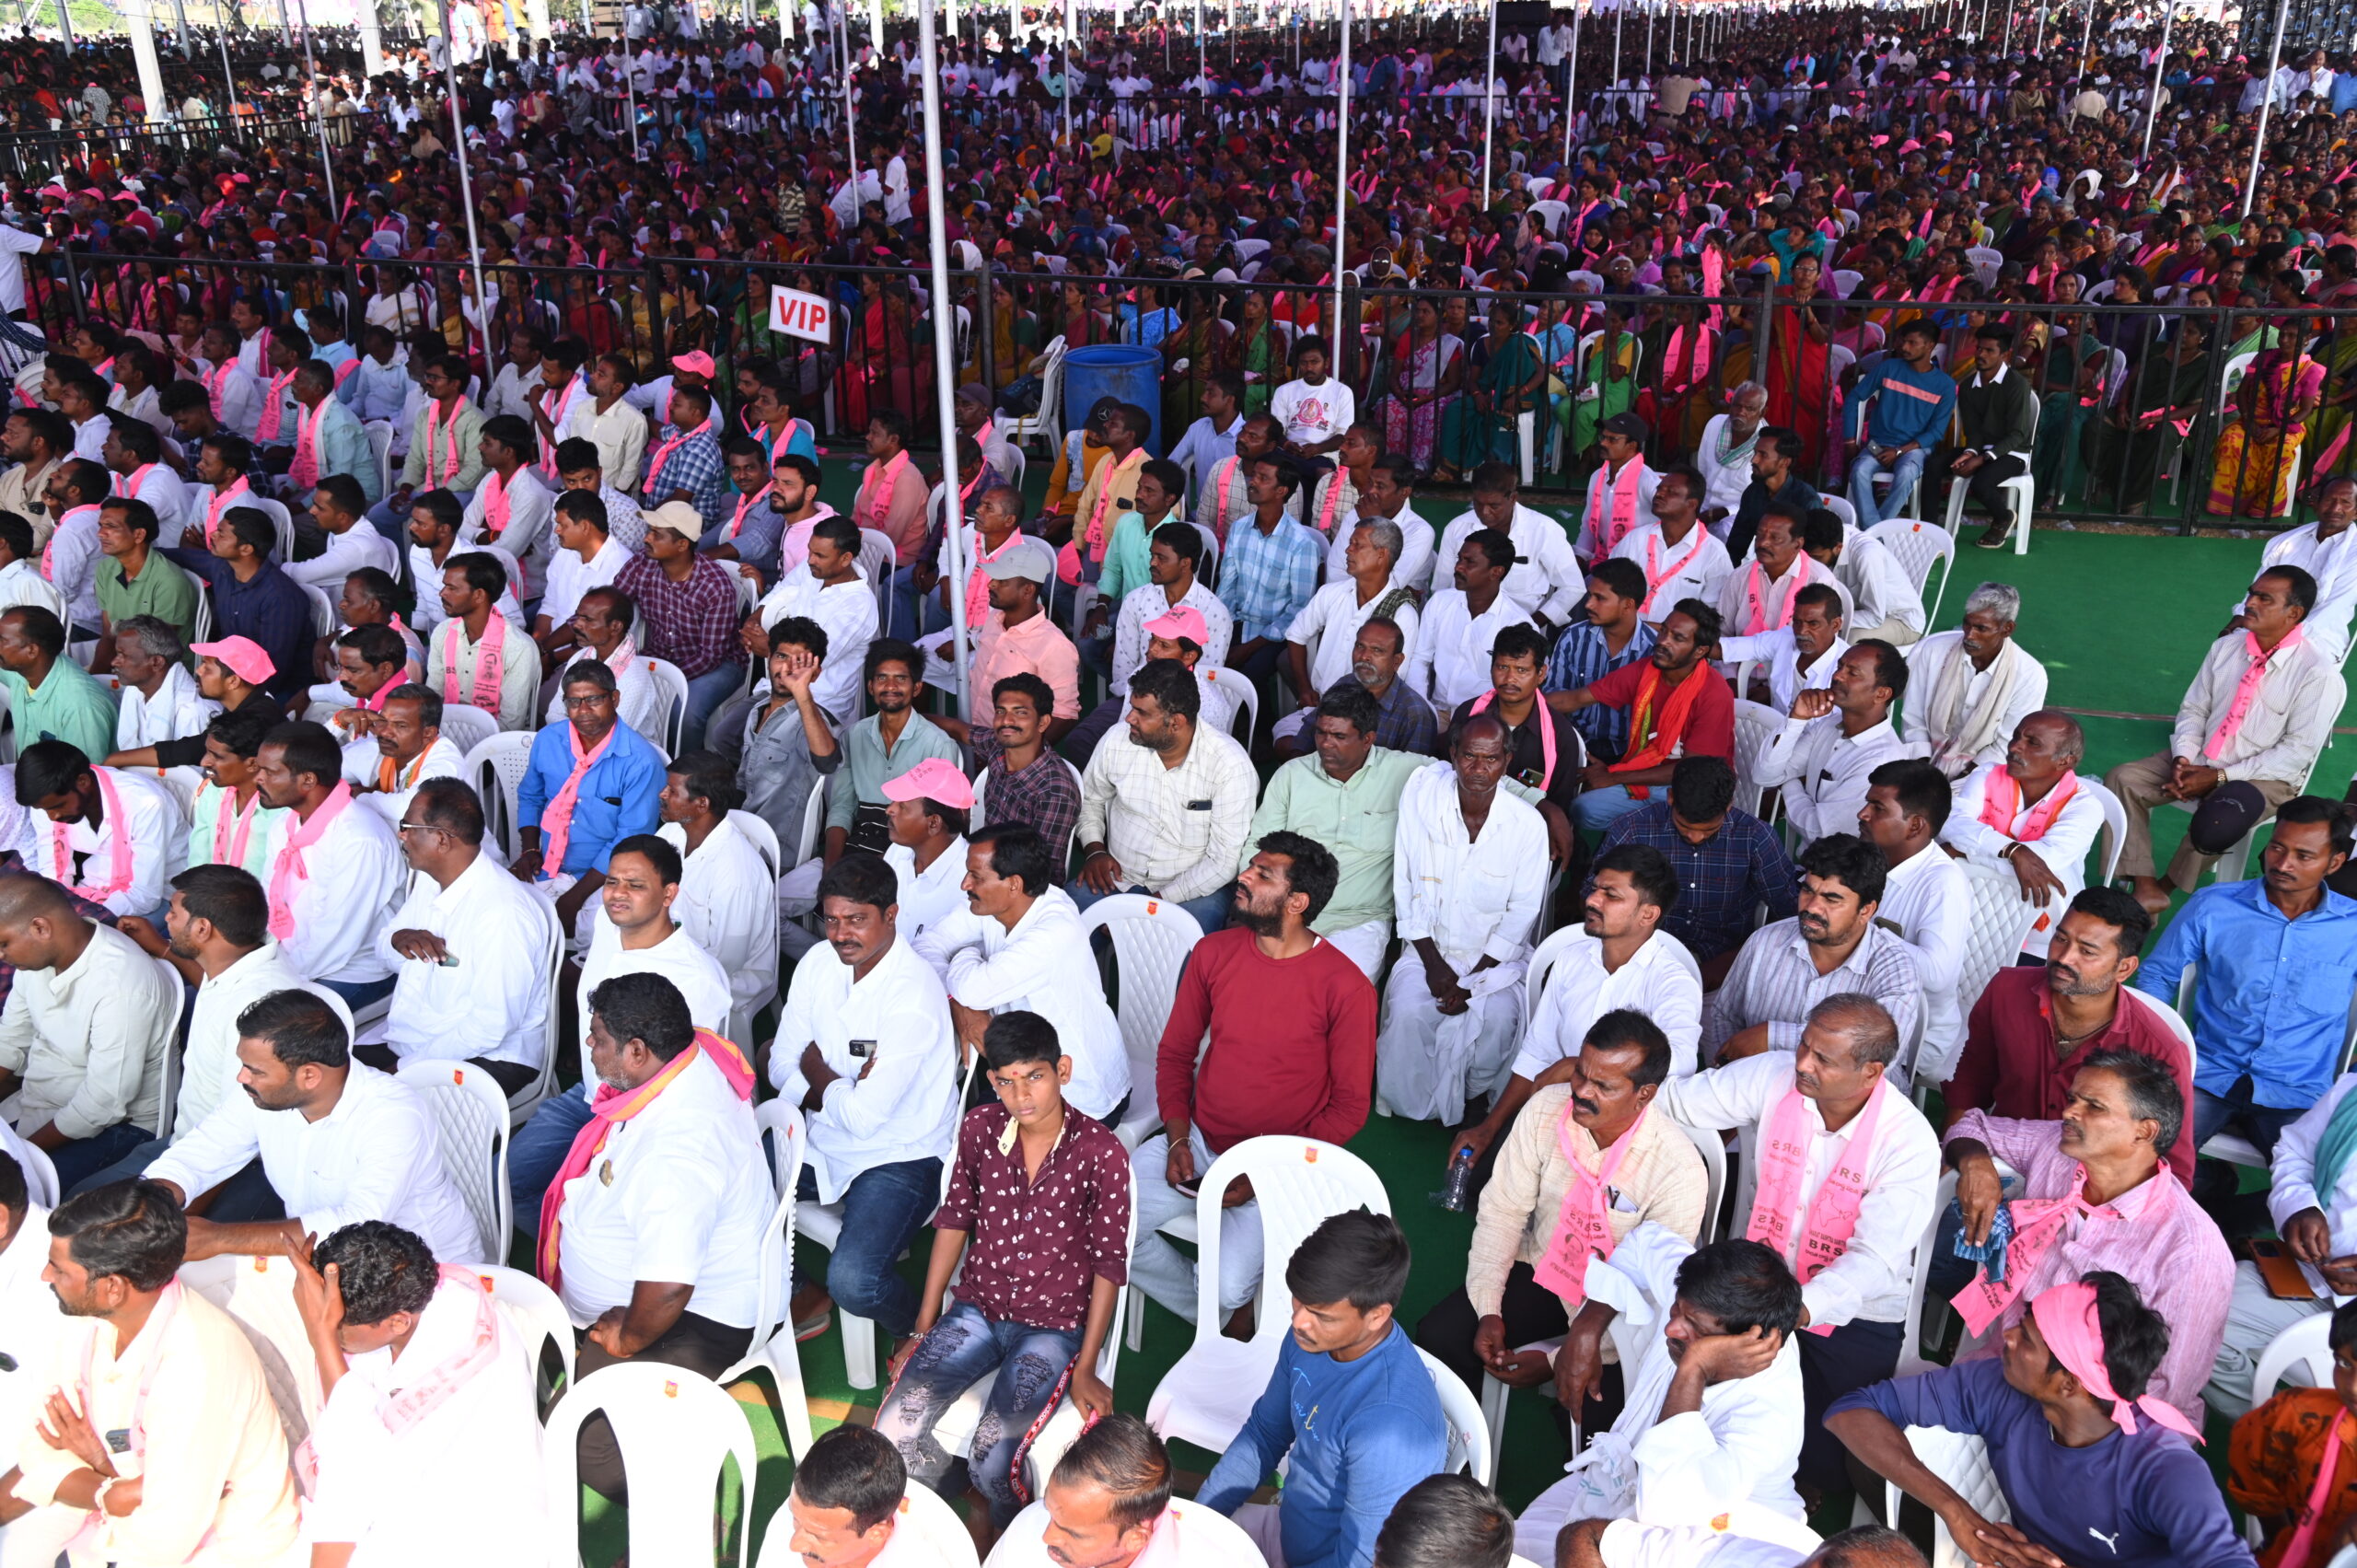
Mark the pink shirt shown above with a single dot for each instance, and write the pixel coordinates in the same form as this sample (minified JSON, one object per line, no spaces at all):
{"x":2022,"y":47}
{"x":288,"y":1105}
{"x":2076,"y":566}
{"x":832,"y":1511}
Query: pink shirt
{"x":1035,"y":645}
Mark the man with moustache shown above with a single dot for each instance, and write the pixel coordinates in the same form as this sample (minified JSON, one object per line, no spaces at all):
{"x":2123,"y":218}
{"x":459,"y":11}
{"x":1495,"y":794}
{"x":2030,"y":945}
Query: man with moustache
{"x":1676,"y":709}
{"x":1108,"y":1502}
{"x":401,"y":749}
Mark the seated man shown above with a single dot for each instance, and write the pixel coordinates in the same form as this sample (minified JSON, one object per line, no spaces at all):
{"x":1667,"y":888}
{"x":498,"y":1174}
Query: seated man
{"x":29,"y":1321}
{"x":82,"y":1035}
{"x":1903,"y":407}
{"x":1719,"y":1326}
{"x":1727,"y":864}
{"x":727,"y":890}
{"x":1108,"y":1502}
{"x":1621,"y":959}
{"x":2259,"y":709}
{"x":650,"y":1239}
{"x":1611,"y":634}
{"x":1802,"y":654}
{"x":1833,"y":945}
{"x":1625,"y":1543}
{"x":390,"y":1322}
{"x":1544,"y":579}
{"x":335,"y":874}
{"x":230,"y":673}
{"x":1467,"y":879}
{"x":884,"y":745}
{"x":1015,"y":946}
{"x":788,"y":740}
{"x":1446,"y":1521}
{"x":2283,"y":1456}
{"x":1291,"y":1027}
{"x":2278,"y":957}
{"x":2032,"y":815}
{"x":2076,"y":1441}
{"x":1164,"y":811}
{"x":1890,"y":608}
{"x":1349,"y":1404}
{"x":477,"y":655}
{"x":1021,"y":780}
{"x":2095,"y":1194}
{"x":591,"y":782}
{"x":1818,"y":761}
{"x":469,"y":952}
{"x":51,"y":697}
{"x":601,"y":627}
{"x":850,"y":1506}
{"x":1676,"y":708}
{"x":379,"y":1159}
{"x":929,"y":809}
{"x":1449,"y":658}
{"x":367,"y":663}
{"x":1583,"y":1165}
{"x":160,"y":700}
{"x":188,"y":1403}
{"x":253,"y":597}
{"x":402,"y":750}
{"x":1040,"y":1276}
{"x":863,"y":1047}
{"x":113,"y":837}
{"x":1973,"y":686}
{"x":1830,"y":1105}
{"x":1926,"y":896}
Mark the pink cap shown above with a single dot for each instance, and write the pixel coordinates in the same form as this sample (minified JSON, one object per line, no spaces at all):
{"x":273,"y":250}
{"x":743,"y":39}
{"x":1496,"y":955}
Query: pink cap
{"x":699,"y":363}
{"x":243,"y":657}
{"x":932,"y":779}
{"x":1181,"y":620}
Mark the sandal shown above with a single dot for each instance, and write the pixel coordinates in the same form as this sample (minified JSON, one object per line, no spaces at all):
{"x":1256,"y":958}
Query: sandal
{"x":1994,"y":538}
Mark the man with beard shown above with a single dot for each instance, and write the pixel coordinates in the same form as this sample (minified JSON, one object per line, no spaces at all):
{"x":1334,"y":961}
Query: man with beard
{"x":404,"y":748}
{"x":1404,"y":720}
{"x":879,"y":749}
{"x":1671,"y":715}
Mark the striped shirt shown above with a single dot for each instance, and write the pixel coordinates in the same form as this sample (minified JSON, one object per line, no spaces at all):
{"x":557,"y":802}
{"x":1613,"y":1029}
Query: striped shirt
{"x":1776,"y":982}
{"x":1581,"y":659}
{"x":1268,"y":579}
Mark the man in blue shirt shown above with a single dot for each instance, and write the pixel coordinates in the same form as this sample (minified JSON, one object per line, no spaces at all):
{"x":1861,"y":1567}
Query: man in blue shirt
{"x":1904,"y":423}
{"x":1351,"y":1400}
{"x":589,"y":783}
{"x":2277,"y":965}
{"x":254,"y":597}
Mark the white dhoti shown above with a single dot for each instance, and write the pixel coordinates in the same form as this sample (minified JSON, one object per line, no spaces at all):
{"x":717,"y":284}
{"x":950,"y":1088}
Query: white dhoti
{"x":1427,"y":1065}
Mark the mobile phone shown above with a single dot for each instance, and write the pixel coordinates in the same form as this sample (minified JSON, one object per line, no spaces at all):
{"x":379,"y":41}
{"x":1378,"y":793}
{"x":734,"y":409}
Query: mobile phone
{"x":2280,"y":1272}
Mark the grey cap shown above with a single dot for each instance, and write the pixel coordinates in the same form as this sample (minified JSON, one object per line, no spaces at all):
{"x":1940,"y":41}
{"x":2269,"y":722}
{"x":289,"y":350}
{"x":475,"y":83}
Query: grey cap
{"x":1032,"y":558}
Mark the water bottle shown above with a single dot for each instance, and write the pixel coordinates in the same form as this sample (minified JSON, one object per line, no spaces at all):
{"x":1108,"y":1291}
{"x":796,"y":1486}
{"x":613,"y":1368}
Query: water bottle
{"x":1456,"y":1196}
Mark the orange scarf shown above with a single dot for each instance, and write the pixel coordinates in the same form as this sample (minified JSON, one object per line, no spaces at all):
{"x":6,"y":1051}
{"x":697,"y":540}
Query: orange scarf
{"x":1657,"y":732}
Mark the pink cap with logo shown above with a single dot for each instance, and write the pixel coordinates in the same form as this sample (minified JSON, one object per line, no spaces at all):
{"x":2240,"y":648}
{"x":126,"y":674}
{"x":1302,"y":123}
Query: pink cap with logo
{"x":932,"y":779}
{"x":242,"y":655}
{"x":1180,"y":620}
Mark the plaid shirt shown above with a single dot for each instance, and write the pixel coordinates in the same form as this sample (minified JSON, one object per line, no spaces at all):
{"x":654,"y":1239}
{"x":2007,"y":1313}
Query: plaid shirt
{"x":1721,"y":882}
{"x":693,"y":624}
{"x":1265,"y":579}
{"x":1046,"y":795}
{"x":1581,"y":659}
{"x":695,"y":466}
{"x":1407,"y":722}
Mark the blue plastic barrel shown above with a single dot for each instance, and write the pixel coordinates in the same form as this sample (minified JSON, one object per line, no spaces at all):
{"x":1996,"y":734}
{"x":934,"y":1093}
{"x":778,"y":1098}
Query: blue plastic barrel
{"x":1119,"y":371}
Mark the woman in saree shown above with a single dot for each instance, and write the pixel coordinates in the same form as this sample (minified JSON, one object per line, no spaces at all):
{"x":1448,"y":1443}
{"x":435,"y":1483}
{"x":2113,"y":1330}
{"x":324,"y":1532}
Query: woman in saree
{"x":1427,"y":369}
{"x":1509,"y":375}
{"x":2333,"y":453}
{"x":1191,"y":355}
{"x":2259,"y":451}
{"x":1802,"y":395}
{"x":881,"y":369}
{"x":1257,"y":353}
{"x":1607,"y":381}
{"x":2078,"y":364}
{"x":1678,"y":404}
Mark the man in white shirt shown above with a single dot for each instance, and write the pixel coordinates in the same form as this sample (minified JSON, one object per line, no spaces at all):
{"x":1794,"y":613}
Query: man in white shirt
{"x":1620,"y":498}
{"x":400,"y":748}
{"x":114,"y":837}
{"x":581,"y":466}
{"x":1108,"y":1502}
{"x":2237,"y":751}
{"x":478,"y":655}
{"x":1680,"y":558}
{"x":727,"y":901}
{"x":586,"y":557}
{"x":29,"y":1321}
{"x":1164,"y":811}
{"x":1835,"y":736}
{"x":1973,"y":686}
{"x":608,"y":419}
{"x":431,"y":1394}
{"x":864,"y":1047}
{"x":83,"y":1036}
{"x":160,"y":700}
{"x":433,"y":518}
{"x":2326,"y":550}
{"x":21,"y":581}
{"x":1012,"y":948}
{"x":1801,"y":654}
{"x":2035,"y":818}
{"x":1450,"y":661}
{"x":340,"y":510}
{"x":1174,"y":564}
{"x":469,"y":947}
{"x":1852,"y":1181}
{"x":1467,"y":879}
{"x":511,"y":506}
{"x":831,"y":591}
{"x":335,"y":874}
{"x":1723,"y":455}
{"x":651,"y":1232}
{"x":1315,"y":409}
{"x":1336,"y":612}
{"x":1888,"y":607}
{"x":1927,"y":898}
{"x":339,"y":1141}
{"x":850,"y":1509}
{"x":1544,"y":577}
{"x":78,"y":490}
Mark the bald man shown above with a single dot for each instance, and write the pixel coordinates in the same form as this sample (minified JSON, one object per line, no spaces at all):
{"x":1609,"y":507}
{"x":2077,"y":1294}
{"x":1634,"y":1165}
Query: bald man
{"x":2034,"y":817}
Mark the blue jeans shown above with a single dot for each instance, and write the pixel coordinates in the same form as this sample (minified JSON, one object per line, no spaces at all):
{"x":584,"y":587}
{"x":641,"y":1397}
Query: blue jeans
{"x":1904,"y":471}
{"x":135,"y":1163}
{"x":2213,"y":1114}
{"x":883,"y":1208}
{"x":1596,"y":809}
{"x":963,"y":1348}
{"x":705,"y":693}
{"x":538,"y":1151}
{"x":77,"y":1159}
{"x":1210,"y":911}
{"x":358,"y":993}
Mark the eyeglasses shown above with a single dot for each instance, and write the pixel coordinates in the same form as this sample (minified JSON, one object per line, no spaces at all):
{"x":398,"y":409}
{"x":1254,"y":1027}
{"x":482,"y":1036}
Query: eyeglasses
{"x":596,"y":700}
{"x":406,"y":828}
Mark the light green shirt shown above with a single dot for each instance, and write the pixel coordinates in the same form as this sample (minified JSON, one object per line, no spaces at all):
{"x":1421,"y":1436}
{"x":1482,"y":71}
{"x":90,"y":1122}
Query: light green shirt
{"x":1357,"y":819}
{"x":70,"y":706}
{"x":208,"y":821}
{"x":872,"y":767}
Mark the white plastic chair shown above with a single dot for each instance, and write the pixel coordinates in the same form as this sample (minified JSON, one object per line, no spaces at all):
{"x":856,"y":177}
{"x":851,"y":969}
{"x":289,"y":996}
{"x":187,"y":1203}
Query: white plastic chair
{"x":1297,"y":1182}
{"x":1151,"y":940}
{"x":527,"y":1099}
{"x":201,"y":632}
{"x":467,"y":726}
{"x":773,"y":1348}
{"x":496,"y":767}
{"x":1047,"y":425}
{"x":677,"y":1429}
{"x":2115,"y":828}
{"x":1986,"y":262}
{"x":1470,"y":1449}
{"x":41,"y":1175}
{"x":814,"y":818}
{"x":876,"y":555}
{"x":1245,"y":723}
{"x":671,"y":682}
{"x":1755,"y":725}
{"x":764,"y":840}
{"x":1962,"y":1461}
{"x":1840,"y":506}
{"x":2020,"y":493}
{"x":279,"y":518}
{"x":1919,"y":546}
{"x":322,"y":609}
{"x":537,"y":1314}
{"x":169,"y":1109}
{"x":2001,"y":923}
{"x":469,"y":1106}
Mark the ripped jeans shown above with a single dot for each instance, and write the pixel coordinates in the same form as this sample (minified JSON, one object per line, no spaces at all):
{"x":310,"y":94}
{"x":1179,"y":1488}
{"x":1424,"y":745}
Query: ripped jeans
{"x":963,"y":1348}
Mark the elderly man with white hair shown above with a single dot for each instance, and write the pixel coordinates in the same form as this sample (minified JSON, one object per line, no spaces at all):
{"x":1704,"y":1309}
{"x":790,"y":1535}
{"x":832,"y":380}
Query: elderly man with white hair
{"x":1332,"y":619}
{"x":1971,"y":688}
{"x":1723,"y":457}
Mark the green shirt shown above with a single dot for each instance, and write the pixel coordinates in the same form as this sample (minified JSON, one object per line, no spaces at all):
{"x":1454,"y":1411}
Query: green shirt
{"x":1357,"y":819}
{"x":872,"y":767}
{"x":1128,"y":554}
{"x":206,"y":817}
{"x":70,"y":706}
{"x":161,"y":589}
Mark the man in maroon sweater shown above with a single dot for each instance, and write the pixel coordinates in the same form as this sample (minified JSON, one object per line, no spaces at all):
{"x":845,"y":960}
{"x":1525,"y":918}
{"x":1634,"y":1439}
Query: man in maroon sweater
{"x":1292,"y":1023}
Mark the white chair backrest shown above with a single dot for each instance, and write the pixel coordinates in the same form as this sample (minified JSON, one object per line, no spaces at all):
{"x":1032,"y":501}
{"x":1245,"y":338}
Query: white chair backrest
{"x":2115,"y":826}
{"x":2174,"y":1019}
{"x":2301,"y":1354}
{"x":1962,"y":1461}
{"x":471,"y":1117}
{"x":763,"y":836}
{"x":814,"y":816}
{"x":672,"y":682}
{"x":203,"y":631}
{"x":40,"y":1174}
{"x":2001,"y":920}
{"x":1469,"y":1430}
{"x":1911,"y":1348}
{"x":380,"y":447}
{"x":676,"y":1429}
{"x":1754,"y":723}
{"x":281,"y":520}
{"x":1712,"y":1145}
{"x":781,"y":1123}
{"x":170,"y":1103}
{"x":537,"y":1314}
{"x":1840,"y":506}
{"x":1151,"y":940}
{"x":495,"y":768}
{"x":322,"y":609}
{"x":1919,"y":546}
{"x":1298,"y":1183}
{"x":877,"y":553}
{"x":467,"y":726}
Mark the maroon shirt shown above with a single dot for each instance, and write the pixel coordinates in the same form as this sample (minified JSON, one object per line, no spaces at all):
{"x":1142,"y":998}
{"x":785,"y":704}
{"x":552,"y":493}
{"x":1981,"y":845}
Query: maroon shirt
{"x":2010,"y":1066}
{"x":1037,"y":1246}
{"x":1293,"y":1044}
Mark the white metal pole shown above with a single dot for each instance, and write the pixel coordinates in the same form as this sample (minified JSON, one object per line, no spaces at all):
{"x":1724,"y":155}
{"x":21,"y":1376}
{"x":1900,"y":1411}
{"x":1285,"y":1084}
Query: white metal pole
{"x":1570,"y":93}
{"x":466,"y":190}
{"x":1342,"y":178}
{"x":319,"y":106}
{"x":1651,"y":12}
{"x":2087,"y":39}
{"x":228,"y":76}
{"x":1202,"y":51}
{"x":2259,"y":141}
{"x":139,"y":20}
{"x":944,"y":369}
{"x":2160,"y":64}
{"x":1488,"y":104}
{"x":851,"y":130}
{"x":1620,"y":20}
{"x":1068,"y":82}
{"x":630,"y":98}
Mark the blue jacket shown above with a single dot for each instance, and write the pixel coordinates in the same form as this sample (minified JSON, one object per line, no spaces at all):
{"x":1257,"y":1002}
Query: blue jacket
{"x":1360,"y":1432}
{"x":1912,"y":407}
{"x":618,"y":797}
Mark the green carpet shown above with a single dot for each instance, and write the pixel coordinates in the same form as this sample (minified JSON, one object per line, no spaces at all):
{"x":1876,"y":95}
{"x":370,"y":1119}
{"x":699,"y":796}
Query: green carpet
{"x":2121,"y":660}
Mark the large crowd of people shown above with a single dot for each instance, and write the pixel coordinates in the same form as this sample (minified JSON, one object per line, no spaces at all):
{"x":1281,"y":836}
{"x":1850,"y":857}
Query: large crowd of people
{"x":433,"y":675}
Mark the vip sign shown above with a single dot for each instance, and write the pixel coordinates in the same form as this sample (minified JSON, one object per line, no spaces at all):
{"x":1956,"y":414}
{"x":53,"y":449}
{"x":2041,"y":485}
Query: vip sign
{"x":801,"y":315}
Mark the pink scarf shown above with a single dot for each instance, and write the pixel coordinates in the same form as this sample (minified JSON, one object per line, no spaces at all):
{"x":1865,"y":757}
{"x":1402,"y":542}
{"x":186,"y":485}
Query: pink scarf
{"x":421,"y":1397}
{"x":2066,"y":1320}
{"x":130,"y":486}
{"x":2038,"y":1224}
{"x":1608,"y":527}
{"x":273,"y":408}
{"x":224,"y":818}
{"x":289,"y":868}
{"x":556,"y":817}
{"x":744,"y":505}
{"x":556,"y":424}
{"x":1545,"y":714}
{"x":2001,"y":802}
{"x":305,"y":469}
{"x":495,"y":506}
{"x":2303,"y":1542}
{"x":437,"y":476}
{"x":875,"y":488}
{"x":1583,"y":1229}
{"x":2246,"y":691}
{"x":1654,"y":573}
{"x":662,"y":455}
{"x":216,"y":381}
{"x":482,"y":691}
{"x":1832,"y":1214}
{"x":978,"y":583}
{"x":1754,"y":596}
{"x":60,"y":857}
{"x":220,"y":503}
{"x":1224,"y":475}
